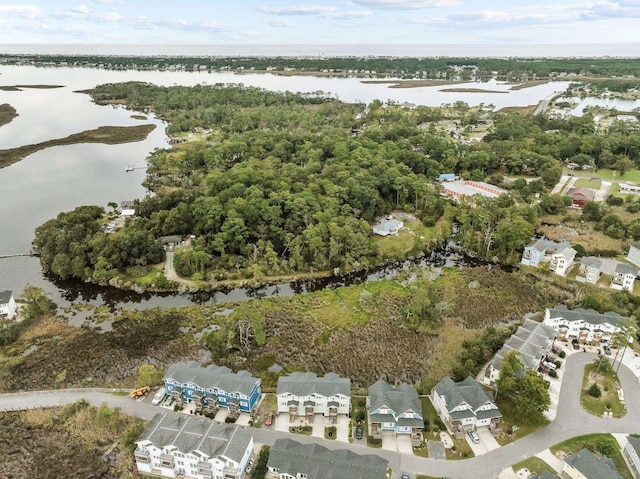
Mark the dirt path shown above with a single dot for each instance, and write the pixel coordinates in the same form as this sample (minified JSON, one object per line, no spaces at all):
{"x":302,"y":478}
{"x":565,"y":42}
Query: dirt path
{"x":170,"y":272}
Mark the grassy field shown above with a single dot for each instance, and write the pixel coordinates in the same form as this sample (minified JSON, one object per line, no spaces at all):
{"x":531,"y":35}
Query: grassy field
{"x":595,"y":443}
{"x":584,"y":183}
{"x":609,"y":384}
{"x":631,"y":176}
{"x":109,"y":135}
{"x":68,"y":442}
{"x":534,"y":465}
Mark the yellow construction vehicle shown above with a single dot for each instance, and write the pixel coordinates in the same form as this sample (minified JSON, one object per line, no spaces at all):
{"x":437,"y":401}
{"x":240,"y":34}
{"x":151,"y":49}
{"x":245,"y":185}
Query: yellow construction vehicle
{"x":136,"y":393}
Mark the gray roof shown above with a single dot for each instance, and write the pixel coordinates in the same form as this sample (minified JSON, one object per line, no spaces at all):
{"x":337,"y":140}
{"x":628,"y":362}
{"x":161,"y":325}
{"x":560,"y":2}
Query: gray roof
{"x":190,"y":433}
{"x":590,"y":316}
{"x":554,"y":247}
{"x":212,"y":376}
{"x":531,"y":341}
{"x":634,"y":442}
{"x":400,"y":399}
{"x":467,"y":391}
{"x":544,"y":475}
{"x":567,"y":253}
{"x":591,"y":466}
{"x":591,"y":261}
{"x":305,"y":384}
{"x":389,"y":225}
{"x":624,"y":268}
{"x":318,"y":462}
{"x":5,"y":296}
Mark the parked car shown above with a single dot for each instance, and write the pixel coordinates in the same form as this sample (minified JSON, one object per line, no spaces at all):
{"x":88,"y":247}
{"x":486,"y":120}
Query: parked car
{"x":168,"y":402}
{"x":157,"y":399}
{"x":405,"y":476}
{"x":607,"y":350}
{"x":474,"y":436}
{"x":269,"y":420}
{"x":575,"y":343}
{"x":359,"y":432}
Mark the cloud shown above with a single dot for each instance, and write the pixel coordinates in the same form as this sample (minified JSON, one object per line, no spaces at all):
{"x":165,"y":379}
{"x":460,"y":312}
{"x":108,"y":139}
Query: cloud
{"x":280,"y":22}
{"x":407,"y":4}
{"x":28,"y":11}
{"x":80,"y":9}
{"x":314,"y":10}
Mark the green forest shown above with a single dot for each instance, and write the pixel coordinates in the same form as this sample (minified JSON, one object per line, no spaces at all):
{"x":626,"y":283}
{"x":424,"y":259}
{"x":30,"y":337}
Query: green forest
{"x":284,"y":183}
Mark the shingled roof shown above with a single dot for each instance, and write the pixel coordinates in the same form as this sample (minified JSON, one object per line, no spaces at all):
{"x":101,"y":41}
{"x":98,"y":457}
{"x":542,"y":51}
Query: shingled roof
{"x":531,"y":341}
{"x":189,"y":434}
{"x":305,"y":384}
{"x":590,"y":316}
{"x":212,"y":376}
{"x":399,"y":399}
{"x":467,"y":391}
{"x":318,"y":462}
{"x":591,"y":466}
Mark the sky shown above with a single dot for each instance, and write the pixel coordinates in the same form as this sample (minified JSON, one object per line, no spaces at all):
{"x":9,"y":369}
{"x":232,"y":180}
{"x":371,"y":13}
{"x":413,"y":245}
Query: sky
{"x":455,"y":22}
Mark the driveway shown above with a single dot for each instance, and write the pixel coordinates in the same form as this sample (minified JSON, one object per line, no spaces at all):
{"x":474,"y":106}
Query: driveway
{"x":404,"y":444}
{"x":389,"y":442}
{"x":342,"y":429}
{"x":318,"y":425}
{"x":282,"y":422}
{"x":487,"y":439}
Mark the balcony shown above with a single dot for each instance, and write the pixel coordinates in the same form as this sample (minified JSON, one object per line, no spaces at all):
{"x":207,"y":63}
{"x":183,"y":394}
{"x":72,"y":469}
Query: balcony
{"x":142,"y":455}
{"x":166,"y":460}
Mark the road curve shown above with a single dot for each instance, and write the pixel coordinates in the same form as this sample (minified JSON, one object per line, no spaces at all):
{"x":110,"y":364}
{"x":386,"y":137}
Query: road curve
{"x":571,"y":421}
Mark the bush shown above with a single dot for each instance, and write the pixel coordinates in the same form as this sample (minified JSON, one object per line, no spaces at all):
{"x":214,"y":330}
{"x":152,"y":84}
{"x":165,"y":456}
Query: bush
{"x":594,"y":391}
{"x":562,"y":354}
{"x":558,"y":364}
{"x":229,"y":420}
{"x":553,"y":373}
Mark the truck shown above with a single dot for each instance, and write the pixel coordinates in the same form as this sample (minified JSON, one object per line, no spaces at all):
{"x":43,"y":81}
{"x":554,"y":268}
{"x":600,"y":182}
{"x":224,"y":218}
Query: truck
{"x":136,"y":393}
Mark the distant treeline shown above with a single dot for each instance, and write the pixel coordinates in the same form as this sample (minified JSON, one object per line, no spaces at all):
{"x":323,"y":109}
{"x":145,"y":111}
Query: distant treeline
{"x":428,"y":67}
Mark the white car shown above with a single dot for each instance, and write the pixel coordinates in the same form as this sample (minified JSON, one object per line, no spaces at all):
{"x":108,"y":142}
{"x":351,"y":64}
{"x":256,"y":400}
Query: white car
{"x":157,"y":399}
{"x":474,"y":436}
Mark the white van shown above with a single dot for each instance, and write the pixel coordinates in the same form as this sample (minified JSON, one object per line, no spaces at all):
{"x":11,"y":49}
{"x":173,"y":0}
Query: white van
{"x":159,"y":396}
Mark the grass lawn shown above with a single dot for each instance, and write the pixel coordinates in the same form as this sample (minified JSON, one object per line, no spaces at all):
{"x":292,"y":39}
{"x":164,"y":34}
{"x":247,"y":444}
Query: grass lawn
{"x":330,"y":432}
{"x":509,"y":419}
{"x":268,"y":405}
{"x":583,"y":183}
{"x":592,"y":442}
{"x":633,"y":175}
{"x":460,"y":449}
{"x":306,"y":430}
{"x":609,"y":383}
{"x":534,"y":465}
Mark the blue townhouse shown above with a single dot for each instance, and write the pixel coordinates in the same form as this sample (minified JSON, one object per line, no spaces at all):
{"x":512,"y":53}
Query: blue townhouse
{"x":212,"y":387}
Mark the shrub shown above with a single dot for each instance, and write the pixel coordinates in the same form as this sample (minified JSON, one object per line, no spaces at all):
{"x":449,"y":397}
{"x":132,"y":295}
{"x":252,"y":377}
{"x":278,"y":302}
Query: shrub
{"x":562,"y":354}
{"x":229,"y":420}
{"x":558,"y":364}
{"x":594,"y":391}
{"x":553,"y":373}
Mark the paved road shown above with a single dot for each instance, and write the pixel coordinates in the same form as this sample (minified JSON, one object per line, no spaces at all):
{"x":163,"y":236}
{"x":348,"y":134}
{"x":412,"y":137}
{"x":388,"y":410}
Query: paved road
{"x":570,"y":421}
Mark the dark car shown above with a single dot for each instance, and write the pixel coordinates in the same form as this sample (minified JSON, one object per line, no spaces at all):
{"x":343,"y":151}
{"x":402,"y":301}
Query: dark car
{"x":575,"y":343}
{"x":607,"y":350}
{"x":358,"y":432}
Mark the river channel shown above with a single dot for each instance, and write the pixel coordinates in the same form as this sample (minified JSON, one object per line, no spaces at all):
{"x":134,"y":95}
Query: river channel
{"x":61,"y":178}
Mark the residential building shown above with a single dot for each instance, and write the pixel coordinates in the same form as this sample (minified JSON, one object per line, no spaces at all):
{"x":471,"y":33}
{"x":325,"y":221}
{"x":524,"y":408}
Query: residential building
{"x":586,"y":465}
{"x":180,"y":445}
{"x":127,"y":208}
{"x":580,"y":196}
{"x":631,"y":452}
{"x":589,"y":269}
{"x":464,"y":405}
{"x":562,"y":261}
{"x":305,"y":394}
{"x":387,"y":226}
{"x":395,"y":409}
{"x":289,"y":459}
{"x":446,"y":177}
{"x":624,"y":277}
{"x":627,"y":188}
{"x":586,"y":325}
{"x":535,"y":344}
{"x":212,"y":387}
{"x":534,"y":252}
{"x":8,"y":307}
{"x":634,"y":253}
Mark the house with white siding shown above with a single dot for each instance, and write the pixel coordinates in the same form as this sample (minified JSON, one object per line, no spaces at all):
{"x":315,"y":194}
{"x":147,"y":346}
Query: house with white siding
{"x":8,"y":307}
{"x":212,"y":387}
{"x":396,"y":409}
{"x":589,"y":270}
{"x":561,"y":262}
{"x":634,"y":253}
{"x":624,"y":277}
{"x":387,"y":226}
{"x":535,"y":344}
{"x":586,"y":325}
{"x":464,"y":405}
{"x":306,"y":394}
{"x":631,"y":452}
{"x":180,"y":445}
{"x":289,"y":459}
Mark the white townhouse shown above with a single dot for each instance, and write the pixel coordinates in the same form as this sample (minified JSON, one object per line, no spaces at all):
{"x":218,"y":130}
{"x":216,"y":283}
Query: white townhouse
{"x":632,"y":454}
{"x":534,"y":252}
{"x":561,"y":261}
{"x":305,"y":394}
{"x":586,"y":325}
{"x":624,"y":277}
{"x":179,"y":445}
{"x":589,"y":270}
{"x":634,"y":253}
{"x":8,"y":307}
{"x":464,"y":405}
